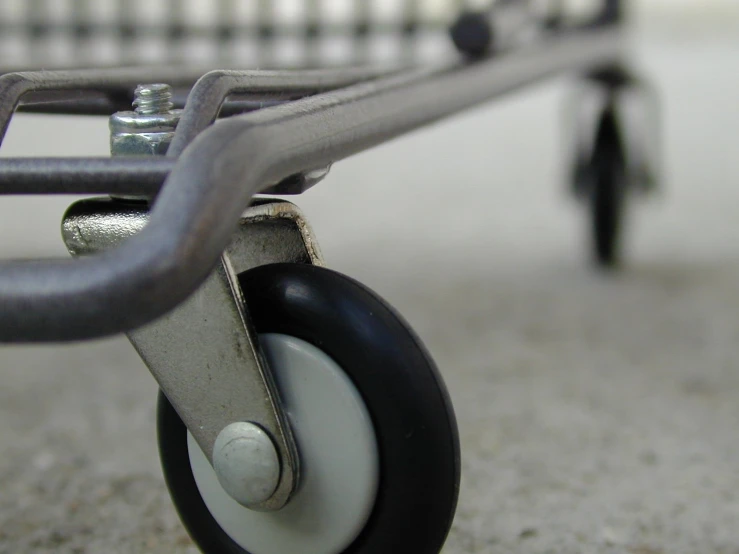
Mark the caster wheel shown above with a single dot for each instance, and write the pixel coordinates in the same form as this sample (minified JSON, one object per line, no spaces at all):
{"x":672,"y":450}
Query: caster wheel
{"x":607,"y":190}
{"x":374,"y":425}
{"x":616,"y":152}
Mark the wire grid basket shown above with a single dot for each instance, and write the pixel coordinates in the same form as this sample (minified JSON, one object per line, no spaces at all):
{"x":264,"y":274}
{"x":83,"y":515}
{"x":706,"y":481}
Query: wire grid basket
{"x":251,"y":33}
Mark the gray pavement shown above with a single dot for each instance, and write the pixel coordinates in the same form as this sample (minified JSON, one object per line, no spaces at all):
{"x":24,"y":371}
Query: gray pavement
{"x":598,"y":413}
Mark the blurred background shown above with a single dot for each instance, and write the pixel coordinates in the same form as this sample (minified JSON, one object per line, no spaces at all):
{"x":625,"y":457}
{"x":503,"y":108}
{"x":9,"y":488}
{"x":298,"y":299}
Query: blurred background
{"x":598,"y":412}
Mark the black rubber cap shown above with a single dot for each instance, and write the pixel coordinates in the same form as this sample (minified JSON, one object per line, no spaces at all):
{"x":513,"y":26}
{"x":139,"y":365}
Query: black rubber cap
{"x":472,"y":34}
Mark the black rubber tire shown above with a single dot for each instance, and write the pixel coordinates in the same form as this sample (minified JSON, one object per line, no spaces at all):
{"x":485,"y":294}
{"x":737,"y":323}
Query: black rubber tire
{"x":404,"y":393}
{"x":608,"y":190}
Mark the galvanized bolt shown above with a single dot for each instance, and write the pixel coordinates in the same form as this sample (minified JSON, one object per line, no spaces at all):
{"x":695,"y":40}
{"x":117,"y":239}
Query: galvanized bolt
{"x":247,"y":464}
{"x":153,"y":99}
{"x":149,"y":129}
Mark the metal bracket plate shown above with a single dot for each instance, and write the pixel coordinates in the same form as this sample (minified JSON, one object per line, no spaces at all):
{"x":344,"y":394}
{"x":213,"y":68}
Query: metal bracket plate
{"x":204,"y":354}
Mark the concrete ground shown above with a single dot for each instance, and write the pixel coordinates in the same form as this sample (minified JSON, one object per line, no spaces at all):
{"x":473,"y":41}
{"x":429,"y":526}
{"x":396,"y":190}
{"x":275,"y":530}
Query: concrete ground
{"x":598,"y":413}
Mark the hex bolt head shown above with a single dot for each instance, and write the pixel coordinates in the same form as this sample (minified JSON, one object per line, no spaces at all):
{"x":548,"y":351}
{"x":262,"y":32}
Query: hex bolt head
{"x":247,"y":464}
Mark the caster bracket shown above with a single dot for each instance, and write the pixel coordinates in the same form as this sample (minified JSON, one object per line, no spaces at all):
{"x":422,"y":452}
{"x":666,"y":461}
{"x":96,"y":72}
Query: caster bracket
{"x":204,"y":354}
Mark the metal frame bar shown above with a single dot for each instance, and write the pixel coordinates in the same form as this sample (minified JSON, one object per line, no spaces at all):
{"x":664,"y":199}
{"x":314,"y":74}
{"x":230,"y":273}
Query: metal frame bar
{"x":210,"y":92}
{"x":215,"y":177}
{"x":129,"y":176}
{"x":45,"y":91}
{"x":105,"y":91}
{"x":43,"y":86}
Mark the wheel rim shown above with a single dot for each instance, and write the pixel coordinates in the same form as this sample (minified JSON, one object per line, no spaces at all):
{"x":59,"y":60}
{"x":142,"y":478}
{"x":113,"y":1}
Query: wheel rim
{"x":339,"y":460}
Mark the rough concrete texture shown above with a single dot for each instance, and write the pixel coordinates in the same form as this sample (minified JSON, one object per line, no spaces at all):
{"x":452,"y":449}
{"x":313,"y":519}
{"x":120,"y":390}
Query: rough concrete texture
{"x":598,"y":414}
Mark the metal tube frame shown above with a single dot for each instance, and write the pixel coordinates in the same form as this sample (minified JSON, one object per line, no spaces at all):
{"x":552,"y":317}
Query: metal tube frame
{"x":216,"y":175}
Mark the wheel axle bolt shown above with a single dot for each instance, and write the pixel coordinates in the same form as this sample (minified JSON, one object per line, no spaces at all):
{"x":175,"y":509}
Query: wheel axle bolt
{"x":247,"y":464}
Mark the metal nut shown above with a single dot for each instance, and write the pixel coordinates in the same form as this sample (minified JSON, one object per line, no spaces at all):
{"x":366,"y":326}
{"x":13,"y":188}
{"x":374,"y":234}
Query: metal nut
{"x":140,"y":144}
{"x":134,"y":134}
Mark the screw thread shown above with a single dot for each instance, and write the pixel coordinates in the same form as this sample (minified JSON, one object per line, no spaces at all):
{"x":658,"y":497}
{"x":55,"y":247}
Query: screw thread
{"x":153,"y":99}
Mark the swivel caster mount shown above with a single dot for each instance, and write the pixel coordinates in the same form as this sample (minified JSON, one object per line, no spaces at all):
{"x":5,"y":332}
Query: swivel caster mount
{"x":376,"y":452}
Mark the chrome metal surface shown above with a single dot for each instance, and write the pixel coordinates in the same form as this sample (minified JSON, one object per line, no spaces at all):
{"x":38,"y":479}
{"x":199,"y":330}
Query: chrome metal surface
{"x":215,"y":177}
{"x":149,"y":129}
{"x":273,"y":232}
{"x":246,"y":463}
{"x":204,"y":354}
{"x":100,"y":224}
{"x":269,"y":231}
{"x":134,"y":122}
